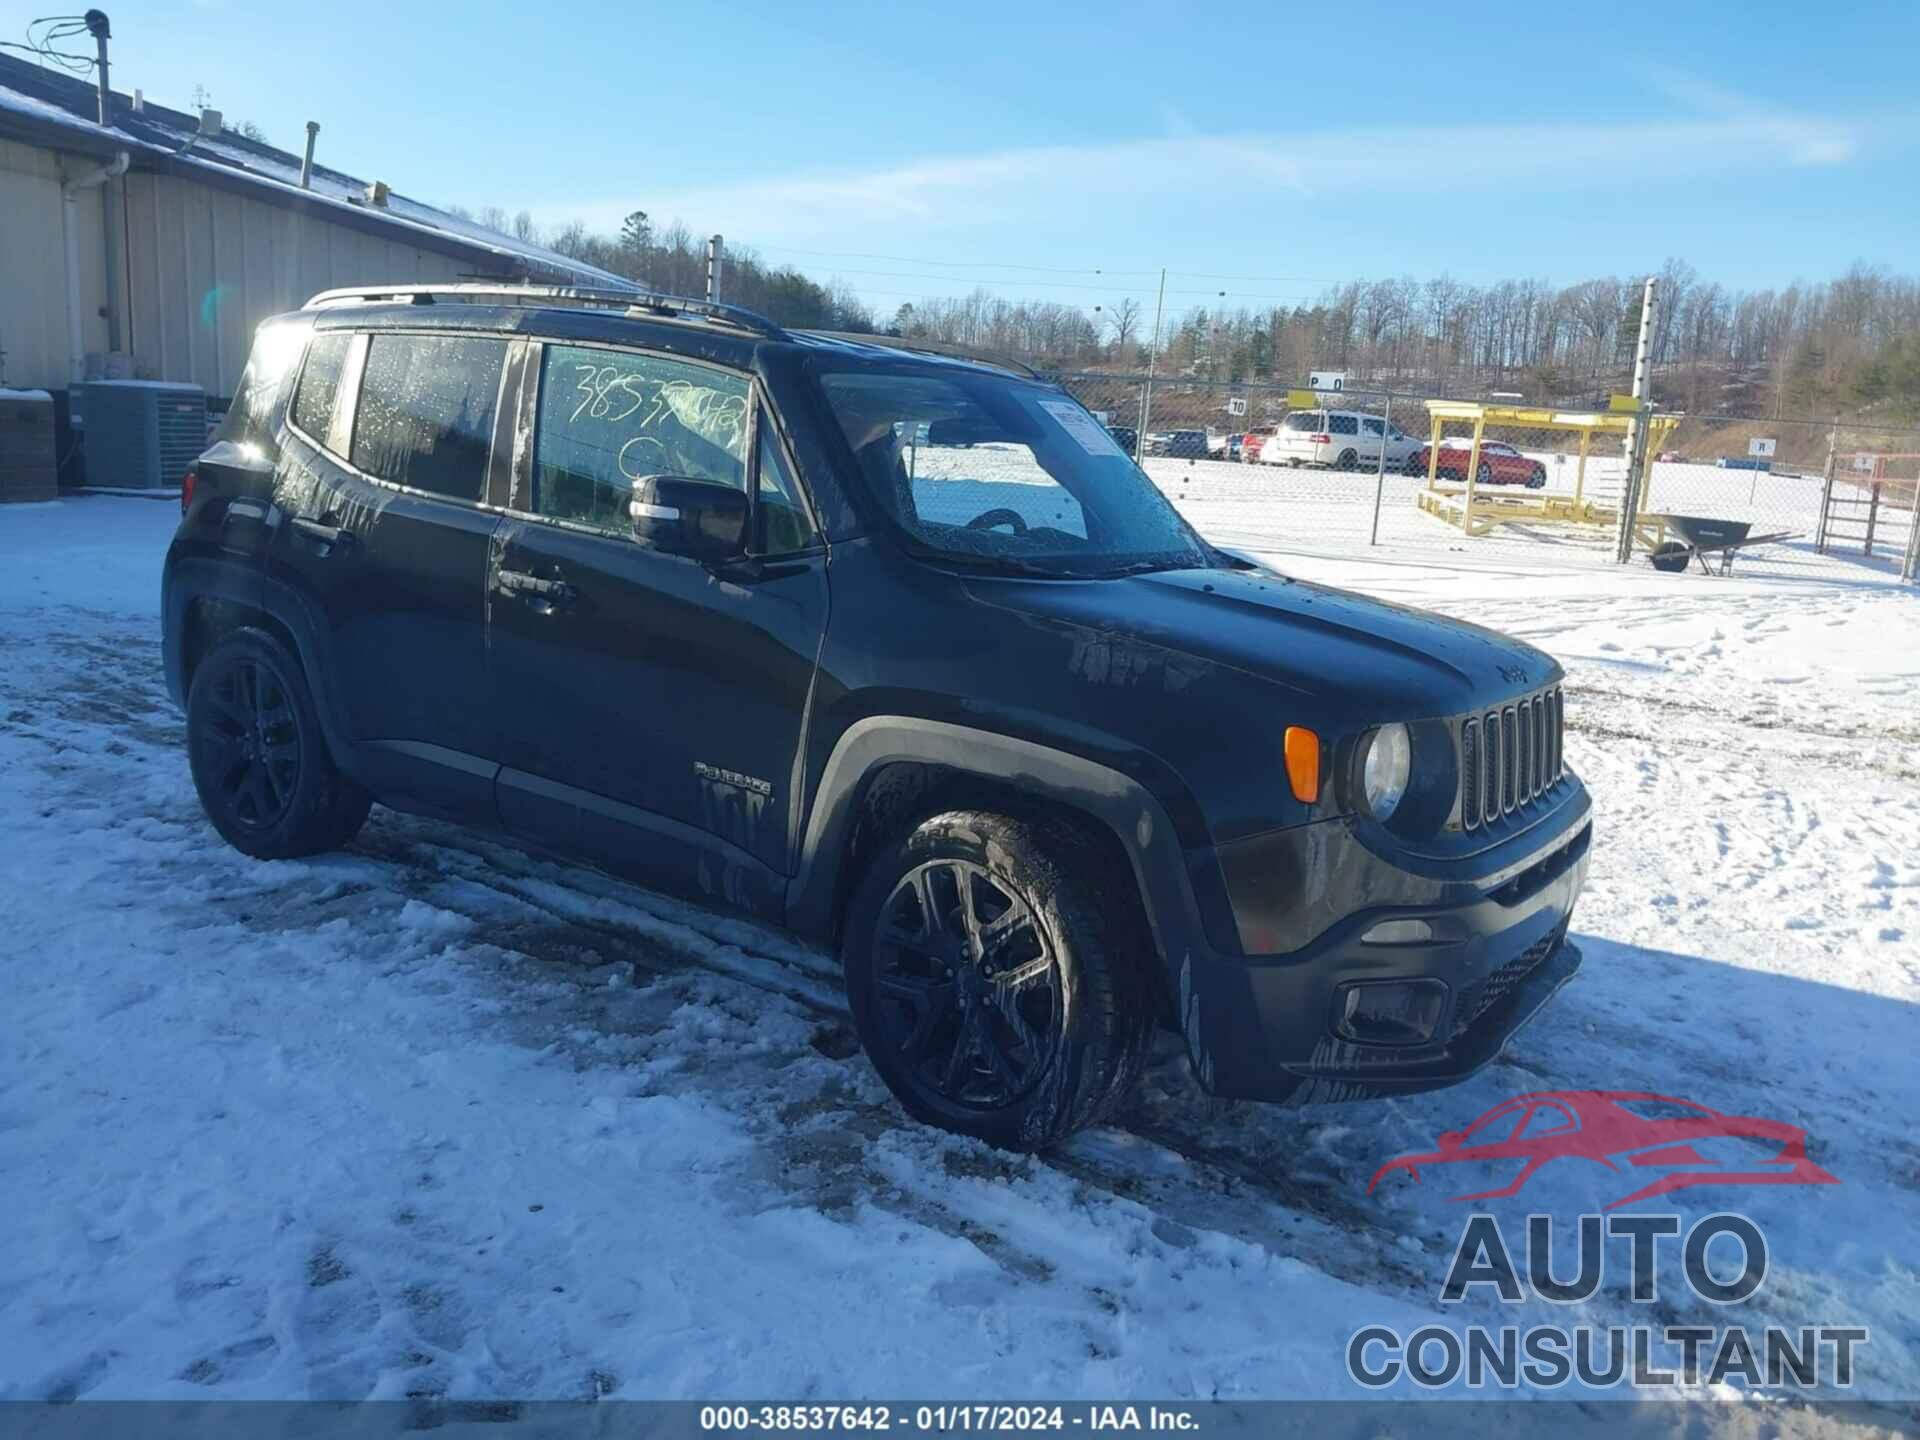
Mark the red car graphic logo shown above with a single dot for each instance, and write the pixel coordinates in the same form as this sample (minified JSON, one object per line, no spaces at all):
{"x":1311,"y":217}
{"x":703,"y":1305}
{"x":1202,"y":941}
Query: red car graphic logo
{"x":1639,"y":1130}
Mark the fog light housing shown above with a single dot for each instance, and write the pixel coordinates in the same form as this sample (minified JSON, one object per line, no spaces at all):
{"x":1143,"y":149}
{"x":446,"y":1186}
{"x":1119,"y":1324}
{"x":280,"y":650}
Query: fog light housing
{"x":1398,"y":932}
{"x":1390,"y":1012}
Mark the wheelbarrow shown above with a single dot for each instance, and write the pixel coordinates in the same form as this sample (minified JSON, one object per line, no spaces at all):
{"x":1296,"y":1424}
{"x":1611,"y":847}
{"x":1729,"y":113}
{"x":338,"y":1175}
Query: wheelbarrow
{"x":1700,"y":537}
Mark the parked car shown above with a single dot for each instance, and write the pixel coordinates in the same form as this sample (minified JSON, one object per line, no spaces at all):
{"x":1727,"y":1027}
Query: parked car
{"x":1043,"y":766}
{"x":1500,"y":463}
{"x":1126,"y":437}
{"x":1251,"y":442}
{"x":1178,"y":444}
{"x":1228,"y":449}
{"x":1341,"y":439}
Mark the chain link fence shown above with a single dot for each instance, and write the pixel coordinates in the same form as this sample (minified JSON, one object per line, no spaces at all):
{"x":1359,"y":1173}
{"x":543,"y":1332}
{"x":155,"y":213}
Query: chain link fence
{"x":1267,"y":467}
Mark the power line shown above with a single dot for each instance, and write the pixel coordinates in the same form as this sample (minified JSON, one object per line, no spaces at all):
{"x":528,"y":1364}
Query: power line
{"x":952,"y":264}
{"x":1048,"y":269}
{"x":1049,"y":284}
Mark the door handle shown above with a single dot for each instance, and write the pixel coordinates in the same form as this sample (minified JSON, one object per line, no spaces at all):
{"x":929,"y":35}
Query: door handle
{"x":546,"y":596}
{"x":325,"y":534}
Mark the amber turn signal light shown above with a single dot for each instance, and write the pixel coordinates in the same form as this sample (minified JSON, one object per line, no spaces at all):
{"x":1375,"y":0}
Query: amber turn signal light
{"x":1303,"y":763}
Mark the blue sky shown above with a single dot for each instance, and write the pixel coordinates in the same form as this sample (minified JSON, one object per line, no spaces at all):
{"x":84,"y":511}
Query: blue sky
{"x":1266,"y":154}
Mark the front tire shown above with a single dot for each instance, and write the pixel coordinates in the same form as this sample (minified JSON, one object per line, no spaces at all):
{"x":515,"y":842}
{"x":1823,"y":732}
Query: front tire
{"x":995,"y":984}
{"x":259,"y":761}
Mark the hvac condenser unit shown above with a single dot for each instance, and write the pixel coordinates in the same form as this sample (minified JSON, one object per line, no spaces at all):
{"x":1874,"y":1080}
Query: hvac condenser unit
{"x":27,"y":462}
{"x":142,"y":434}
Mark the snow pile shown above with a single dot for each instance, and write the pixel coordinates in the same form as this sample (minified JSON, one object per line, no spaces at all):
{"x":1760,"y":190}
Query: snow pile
{"x":432,"y":1117}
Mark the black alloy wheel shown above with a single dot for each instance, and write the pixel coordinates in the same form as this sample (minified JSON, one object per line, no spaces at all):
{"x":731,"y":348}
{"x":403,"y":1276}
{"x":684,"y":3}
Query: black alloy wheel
{"x":249,"y":747}
{"x":260,"y":763}
{"x":967,"y":984}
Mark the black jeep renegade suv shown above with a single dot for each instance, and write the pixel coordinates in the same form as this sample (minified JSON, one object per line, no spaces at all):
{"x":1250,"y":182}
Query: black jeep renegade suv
{"x":895,"y":649}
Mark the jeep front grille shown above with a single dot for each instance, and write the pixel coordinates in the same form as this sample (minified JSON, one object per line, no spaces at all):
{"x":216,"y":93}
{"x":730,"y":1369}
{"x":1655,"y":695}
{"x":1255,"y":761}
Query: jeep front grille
{"x":1510,"y":757}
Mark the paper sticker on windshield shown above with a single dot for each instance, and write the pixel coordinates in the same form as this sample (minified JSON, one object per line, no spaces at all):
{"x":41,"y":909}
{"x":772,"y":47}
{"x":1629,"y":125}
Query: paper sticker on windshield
{"x":1082,"y":427}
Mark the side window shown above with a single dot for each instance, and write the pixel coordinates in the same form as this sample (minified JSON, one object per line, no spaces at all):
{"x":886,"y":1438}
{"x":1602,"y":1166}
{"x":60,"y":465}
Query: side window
{"x":320,"y":384}
{"x":277,"y":348}
{"x":1344,"y":425}
{"x":1497,"y":1126}
{"x":783,"y":516}
{"x":1546,"y":1120}
{"x":425,"y":417}
{"x":1374,"y":427}
{"x":611,"y":417}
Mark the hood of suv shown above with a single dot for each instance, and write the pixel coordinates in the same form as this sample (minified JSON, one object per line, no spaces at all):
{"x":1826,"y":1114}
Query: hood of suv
{"x":1393,"y":661}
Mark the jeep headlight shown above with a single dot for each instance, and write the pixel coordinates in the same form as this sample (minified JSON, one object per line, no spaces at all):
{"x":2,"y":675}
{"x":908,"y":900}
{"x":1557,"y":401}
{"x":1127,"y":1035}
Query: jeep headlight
{"x":1385,"y":769}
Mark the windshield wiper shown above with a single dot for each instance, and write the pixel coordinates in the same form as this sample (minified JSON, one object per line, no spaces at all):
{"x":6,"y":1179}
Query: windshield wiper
{"x":1006,"y":564}
{"x":1143,"y":567}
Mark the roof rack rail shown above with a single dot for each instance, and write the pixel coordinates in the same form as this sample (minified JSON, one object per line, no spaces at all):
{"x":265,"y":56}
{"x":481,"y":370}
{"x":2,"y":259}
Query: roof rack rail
{"x":581,"y":297}
{"x":930,"y":347}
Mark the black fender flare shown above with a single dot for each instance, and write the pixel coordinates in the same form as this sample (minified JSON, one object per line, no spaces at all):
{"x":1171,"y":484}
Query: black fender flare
{"x":189,"y":580}
{"x":1138,"y":820}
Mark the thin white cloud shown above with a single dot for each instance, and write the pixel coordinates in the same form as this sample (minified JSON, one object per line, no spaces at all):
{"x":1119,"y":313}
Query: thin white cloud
{"x":957,"y":193}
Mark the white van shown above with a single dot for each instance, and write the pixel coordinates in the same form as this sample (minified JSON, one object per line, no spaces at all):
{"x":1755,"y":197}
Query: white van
{"x":1342,"y":439}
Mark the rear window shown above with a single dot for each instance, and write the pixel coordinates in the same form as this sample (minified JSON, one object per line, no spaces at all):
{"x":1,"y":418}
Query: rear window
{"x":425,"y":417}
{"x":1304,"y":420}
{"x":320,"y":384}
{"x":277,"y":347}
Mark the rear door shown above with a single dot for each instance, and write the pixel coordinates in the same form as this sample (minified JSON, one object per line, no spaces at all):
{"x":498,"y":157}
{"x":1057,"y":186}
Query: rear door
{"x":653,"y":704}
{"x":381,"y":483}
{"x":1373,"y":439}
{"x":1343,"y":435}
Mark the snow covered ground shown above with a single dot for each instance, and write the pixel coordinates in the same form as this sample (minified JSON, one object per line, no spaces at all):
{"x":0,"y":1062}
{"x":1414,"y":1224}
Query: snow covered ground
{"x":431,"y":1117}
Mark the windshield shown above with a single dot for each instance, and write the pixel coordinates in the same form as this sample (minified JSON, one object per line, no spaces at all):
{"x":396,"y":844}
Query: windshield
{"x":983,"y":470}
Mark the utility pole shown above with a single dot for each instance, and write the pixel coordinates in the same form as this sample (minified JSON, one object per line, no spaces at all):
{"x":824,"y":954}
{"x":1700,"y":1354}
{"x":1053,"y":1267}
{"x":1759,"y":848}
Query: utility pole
{"x":714,"y":243}
{"x":1636,"y":447}
{"x":1146,"y":398}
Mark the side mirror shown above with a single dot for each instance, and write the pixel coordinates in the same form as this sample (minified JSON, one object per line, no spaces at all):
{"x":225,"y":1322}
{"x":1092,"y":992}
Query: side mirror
{"x":702,"y":519}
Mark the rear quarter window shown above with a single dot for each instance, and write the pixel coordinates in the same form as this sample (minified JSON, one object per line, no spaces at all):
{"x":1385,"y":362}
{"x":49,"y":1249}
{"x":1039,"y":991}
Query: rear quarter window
{"x":271,"y":365}
{"x":1345,"y":425}
{"x":320,"y":385}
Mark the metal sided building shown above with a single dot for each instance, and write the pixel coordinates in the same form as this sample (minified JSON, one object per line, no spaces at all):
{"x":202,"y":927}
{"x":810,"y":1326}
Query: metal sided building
{"x":148,"y":247}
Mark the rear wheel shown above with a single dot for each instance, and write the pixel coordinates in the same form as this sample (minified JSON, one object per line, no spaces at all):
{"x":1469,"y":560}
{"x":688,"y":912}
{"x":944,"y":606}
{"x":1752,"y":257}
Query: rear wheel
{"x":1484,"y":473}
{"x":996,"y":989}
{"x":1348,"y":460}
{"x":259,"y":761}
{"x":1538,"y":479}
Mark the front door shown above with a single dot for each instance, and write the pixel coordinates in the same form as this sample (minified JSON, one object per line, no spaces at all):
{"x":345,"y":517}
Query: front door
{"x":652,"y":704}
{"x":380,"y":488}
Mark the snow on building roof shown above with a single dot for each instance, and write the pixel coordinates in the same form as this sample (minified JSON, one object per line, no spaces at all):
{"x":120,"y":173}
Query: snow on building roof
{"x":49,"y":106}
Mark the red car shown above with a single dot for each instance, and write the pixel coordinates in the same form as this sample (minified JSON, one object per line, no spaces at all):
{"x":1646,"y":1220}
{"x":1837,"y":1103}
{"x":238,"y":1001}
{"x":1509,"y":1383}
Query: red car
{"x":1627,"y":1129}
{"x":1500,"y":464}
{"x":1250,"y":444}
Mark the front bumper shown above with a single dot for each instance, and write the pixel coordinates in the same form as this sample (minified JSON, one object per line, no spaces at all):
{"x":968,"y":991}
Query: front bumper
{"x":1262,"y":1027}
